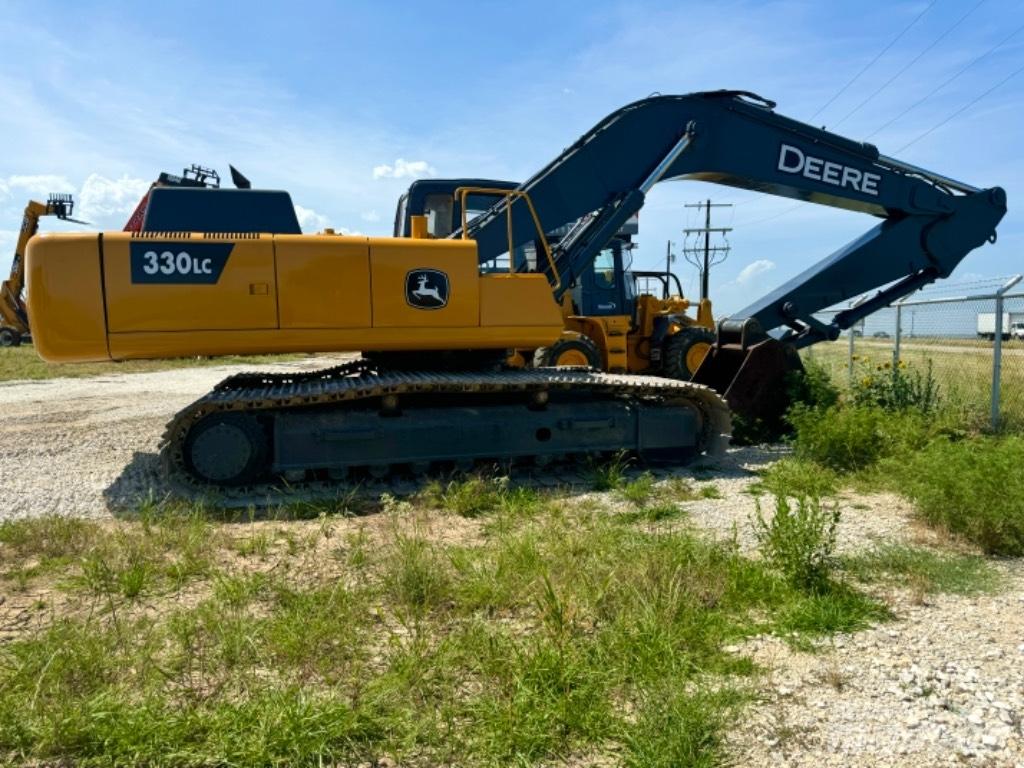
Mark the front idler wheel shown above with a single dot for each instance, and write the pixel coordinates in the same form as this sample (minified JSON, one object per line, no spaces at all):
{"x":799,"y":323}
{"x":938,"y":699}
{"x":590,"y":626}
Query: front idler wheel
{"x":228,"y":449}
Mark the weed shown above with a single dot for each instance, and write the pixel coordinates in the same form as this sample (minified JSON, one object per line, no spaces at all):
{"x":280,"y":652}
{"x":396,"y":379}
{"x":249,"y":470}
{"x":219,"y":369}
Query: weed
{"x":562,"y":633}
{"x":847,"y":438}
{"x":931,"y":571}
{"x":356,"y":551}
{"x":710,"y":491}
{"x":417,"y":577}
{"x":610,"y":474}
{"x":799,"y":540}
{"x":679,"y":728}
{"x":832,"y":674}
{"x":835,"y":607}
{"x":655,"y":513}
{"x":519,"y":502}
{"x":50,"y":542}
{"x":128,"y":572}
{"x":471,"y":497}
{"x":682,"y":489}
{"x":797,"y":477}
{"x":973,"y":488}
{"x":238,"y":591}
{"x":895,"y":387}
{"x":639,"y":490}
{"x":256,"y":542}
{"x":813,"y":388}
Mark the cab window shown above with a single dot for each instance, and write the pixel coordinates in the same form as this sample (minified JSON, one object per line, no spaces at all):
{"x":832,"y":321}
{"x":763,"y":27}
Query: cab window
{"x":604,"y":269}
{"x":438,"y":210}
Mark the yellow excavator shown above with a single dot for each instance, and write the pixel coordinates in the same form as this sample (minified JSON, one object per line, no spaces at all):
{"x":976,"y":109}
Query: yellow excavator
{"x":14,"y":323}
{"x":218,"y":271}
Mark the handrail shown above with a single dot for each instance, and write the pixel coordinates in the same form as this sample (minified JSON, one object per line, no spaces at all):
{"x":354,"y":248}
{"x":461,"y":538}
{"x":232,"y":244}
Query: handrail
{"x":510,"y":195}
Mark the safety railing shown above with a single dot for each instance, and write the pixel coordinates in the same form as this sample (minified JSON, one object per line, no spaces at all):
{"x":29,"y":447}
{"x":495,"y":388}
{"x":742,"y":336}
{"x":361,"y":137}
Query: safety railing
{"x":510,"y":196}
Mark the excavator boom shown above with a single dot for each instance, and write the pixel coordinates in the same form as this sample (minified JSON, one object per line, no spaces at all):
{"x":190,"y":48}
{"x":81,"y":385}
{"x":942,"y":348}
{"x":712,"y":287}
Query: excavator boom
{"x":929,"y":221}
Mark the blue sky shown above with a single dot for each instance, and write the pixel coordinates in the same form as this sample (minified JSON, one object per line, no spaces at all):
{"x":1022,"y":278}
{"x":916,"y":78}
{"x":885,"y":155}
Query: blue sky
{"x":344,"y":104}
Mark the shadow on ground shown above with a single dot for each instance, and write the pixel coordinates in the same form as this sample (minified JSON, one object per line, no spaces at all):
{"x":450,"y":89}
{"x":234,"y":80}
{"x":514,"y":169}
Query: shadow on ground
{"x":142,"y":487}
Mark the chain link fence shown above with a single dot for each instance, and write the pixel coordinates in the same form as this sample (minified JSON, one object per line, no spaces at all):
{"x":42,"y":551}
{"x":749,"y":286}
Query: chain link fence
{"x":969,"y":339}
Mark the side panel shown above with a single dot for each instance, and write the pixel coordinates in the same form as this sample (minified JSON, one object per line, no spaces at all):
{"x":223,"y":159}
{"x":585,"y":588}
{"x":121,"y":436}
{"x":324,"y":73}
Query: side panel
{"x":518,"y":299}
{"x":323,"y":282}
{"x":186,"y":282}
{"x":65,"y":298}
{"x":440,"y":275}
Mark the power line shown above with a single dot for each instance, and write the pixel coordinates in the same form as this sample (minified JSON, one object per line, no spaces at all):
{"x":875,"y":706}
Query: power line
{"x":938,"y":88}
{"x":962,"y":109}
{"x":913,"y":61}
{"x":773,"y":216}
{"x":868,"y":66}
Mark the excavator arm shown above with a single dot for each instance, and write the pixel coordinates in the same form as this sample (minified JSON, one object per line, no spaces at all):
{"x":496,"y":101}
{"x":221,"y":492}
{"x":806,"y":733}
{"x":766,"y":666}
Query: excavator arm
{"x":929,"y":222}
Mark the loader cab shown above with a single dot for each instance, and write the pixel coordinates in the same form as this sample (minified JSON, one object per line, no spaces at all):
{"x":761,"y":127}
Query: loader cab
{"x":606,"y":286}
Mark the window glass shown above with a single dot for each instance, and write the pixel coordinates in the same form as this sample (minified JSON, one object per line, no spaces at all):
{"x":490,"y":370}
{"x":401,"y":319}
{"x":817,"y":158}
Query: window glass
{"x":604,"y":269}
{"x":438,"y":210}
{"x":400,"y":228}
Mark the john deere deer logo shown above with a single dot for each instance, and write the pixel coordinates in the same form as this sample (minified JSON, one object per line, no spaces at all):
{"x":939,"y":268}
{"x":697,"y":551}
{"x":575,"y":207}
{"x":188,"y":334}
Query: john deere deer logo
{"x":426,"y":289}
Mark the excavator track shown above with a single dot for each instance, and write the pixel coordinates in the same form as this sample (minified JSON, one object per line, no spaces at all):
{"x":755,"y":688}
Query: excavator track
{"x":324,"y":430}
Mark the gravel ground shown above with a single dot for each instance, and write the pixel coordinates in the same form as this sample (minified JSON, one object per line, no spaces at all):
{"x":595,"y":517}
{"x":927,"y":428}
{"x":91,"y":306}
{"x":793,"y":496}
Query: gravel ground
{"x":941,"y":684}
{"x":84,"y":446}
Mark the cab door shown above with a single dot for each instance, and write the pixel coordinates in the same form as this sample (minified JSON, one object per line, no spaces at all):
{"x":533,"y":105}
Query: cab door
{"x":601,"y":289}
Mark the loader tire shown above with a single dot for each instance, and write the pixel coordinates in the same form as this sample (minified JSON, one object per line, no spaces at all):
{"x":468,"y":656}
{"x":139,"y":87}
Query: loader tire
{"x":580,"y":351}
{"x":9,"y":337}
{"x":683,"y":352}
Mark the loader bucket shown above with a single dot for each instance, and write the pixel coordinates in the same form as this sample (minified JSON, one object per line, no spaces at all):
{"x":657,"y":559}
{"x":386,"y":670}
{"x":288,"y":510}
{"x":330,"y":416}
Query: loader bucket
{"x":751,"y":371}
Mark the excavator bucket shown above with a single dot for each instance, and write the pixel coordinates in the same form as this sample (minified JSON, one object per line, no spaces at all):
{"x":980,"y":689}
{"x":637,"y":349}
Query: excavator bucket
{"x":751,"y":370}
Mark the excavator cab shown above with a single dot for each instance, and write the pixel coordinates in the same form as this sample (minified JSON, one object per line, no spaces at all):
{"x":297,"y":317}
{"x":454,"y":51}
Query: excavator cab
{"x":613,"y":322}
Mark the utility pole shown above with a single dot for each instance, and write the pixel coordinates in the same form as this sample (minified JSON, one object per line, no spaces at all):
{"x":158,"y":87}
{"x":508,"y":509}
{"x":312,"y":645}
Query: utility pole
{"x":669,"y":258}
{"x":710,"y":255}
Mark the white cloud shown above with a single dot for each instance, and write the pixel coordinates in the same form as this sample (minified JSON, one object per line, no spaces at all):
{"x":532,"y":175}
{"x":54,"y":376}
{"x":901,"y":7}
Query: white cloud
{"x":404,"y":169}
{"x":102,"y":198}
{"x":37,"y":186}
{"x":313,"y":222}
{"x":753,"y":269}
{"x":310,"y":220}
{"x":369,"y":216}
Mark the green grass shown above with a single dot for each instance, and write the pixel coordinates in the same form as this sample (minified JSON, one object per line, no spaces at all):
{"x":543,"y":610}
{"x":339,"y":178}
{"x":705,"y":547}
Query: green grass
{"x":973,"y":488}
{"x":964,"y":376}
{"x":609,"y":474}
{"x":23,"y":363}
{"x":915,"y":434}
{"x":797,"y":477}
{"x":557,"y":634}
{"x":924,"y":569}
